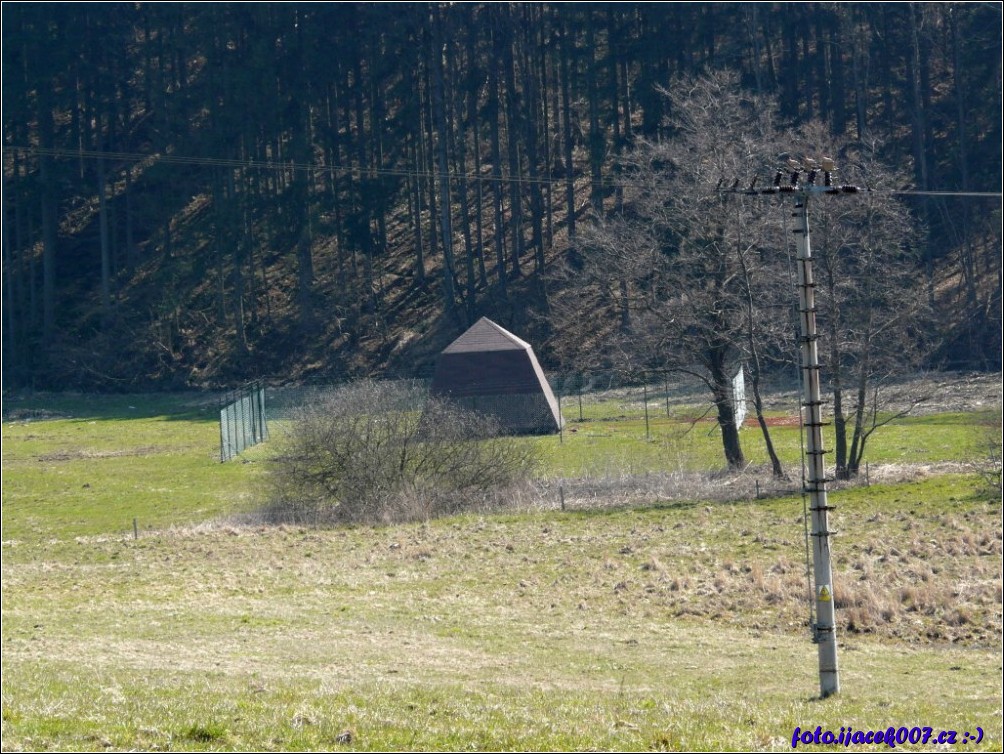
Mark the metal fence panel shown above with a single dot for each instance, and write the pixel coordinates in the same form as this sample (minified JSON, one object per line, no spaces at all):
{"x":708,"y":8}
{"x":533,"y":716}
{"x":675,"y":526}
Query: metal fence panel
{"x":243,"y":422}
{"x":655,"y":401}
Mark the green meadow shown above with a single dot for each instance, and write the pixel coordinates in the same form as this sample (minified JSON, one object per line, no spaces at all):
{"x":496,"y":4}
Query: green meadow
{"x":656,"y":623}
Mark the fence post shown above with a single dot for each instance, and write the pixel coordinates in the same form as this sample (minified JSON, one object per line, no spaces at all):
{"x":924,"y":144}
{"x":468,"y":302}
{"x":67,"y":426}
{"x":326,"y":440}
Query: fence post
{"x":561,"y":422}
{"x":221,"y":412}
{"x":232,"y":426}
{"x":264,"y":420}
{"x":245,"y":419}
{"x":256,"y":411}
{"x":253,"y":405}
{"x":644,"y":390}
{"x":578,"y":390}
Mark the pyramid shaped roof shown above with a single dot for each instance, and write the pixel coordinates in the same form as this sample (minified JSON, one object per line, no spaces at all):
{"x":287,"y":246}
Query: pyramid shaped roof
{"x":491,"y":371}
{"x":485,"y":335}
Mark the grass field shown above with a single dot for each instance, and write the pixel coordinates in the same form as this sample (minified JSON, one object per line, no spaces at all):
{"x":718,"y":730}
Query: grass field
{"x":659,"y":625}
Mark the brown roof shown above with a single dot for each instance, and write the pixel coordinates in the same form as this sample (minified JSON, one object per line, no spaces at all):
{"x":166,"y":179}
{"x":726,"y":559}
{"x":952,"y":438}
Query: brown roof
{"x":485,"y":335}
{"x":491,"y":370}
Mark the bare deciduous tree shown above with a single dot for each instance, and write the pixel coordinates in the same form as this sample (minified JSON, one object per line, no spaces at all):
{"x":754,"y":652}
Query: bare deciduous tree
{"x":704,"y":272}
{"x":682,"y":253}
{"x":874,"y":314}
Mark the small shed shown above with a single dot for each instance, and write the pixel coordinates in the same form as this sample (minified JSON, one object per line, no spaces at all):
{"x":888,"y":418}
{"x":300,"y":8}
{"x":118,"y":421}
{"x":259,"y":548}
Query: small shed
{"x":491,"y":371}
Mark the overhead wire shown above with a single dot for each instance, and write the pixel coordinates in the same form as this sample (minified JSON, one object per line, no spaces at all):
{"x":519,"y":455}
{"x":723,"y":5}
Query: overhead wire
{"x":371,"y":171}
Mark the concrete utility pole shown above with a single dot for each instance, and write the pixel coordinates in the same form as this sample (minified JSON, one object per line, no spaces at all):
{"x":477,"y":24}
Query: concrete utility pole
{"x":824,"y":628}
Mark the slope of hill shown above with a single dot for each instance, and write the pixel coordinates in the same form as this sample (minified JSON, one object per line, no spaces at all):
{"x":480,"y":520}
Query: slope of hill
{"x":199,"y":194}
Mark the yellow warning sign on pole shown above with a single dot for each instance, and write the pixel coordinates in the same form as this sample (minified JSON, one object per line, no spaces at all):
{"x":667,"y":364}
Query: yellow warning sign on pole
{"x":823,"y":594}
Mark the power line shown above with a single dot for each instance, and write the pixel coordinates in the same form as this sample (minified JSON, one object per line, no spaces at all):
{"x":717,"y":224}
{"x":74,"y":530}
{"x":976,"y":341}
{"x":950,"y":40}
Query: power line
{"x":944,"y":193}
{"x":233,"y":163}
{"x":276,"y":165}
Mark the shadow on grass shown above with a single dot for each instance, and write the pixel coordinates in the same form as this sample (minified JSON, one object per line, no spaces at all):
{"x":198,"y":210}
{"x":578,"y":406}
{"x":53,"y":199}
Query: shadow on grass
{"x":35,"y":407}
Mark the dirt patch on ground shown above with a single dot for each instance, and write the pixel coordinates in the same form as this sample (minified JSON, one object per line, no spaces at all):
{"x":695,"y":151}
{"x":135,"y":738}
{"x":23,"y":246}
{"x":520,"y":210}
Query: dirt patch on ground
{"x":773,"y":421}
{"x":82,"y":455}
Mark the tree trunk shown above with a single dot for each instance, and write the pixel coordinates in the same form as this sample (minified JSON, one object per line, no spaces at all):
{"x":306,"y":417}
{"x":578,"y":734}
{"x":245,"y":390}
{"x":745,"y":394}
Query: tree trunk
{"x":495,"y":112}
{"x":838,"y":99}
{"x":857,"y":450}
{"x":839,"y":428}
{"x":859,"y":65}
{"x":415,"y":188}
{"x":49,"y":201}
{"x":305,"y":276}
{"x":457,"y":104}
{"x":836,"y":374}
{"x":754,"y":353}
{"x":513,"y":134}
{"x":919,"y":133}
{"x":12,"y":312}
{"x":566,"y":125}
{"x":442,"y":157}
{"x":549,"y":98}
{"x":475,"y":123}
{"x":429,"y":149}
{"x":130,"y":233}
{"x":790,"y":64}
{"x":597,"y":139}
{"x":531,"y":44}
{"x":106,"y":263}
{"x":722,"y":391}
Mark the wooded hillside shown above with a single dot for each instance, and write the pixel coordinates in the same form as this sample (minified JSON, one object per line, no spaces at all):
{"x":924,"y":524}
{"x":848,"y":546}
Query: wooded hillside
{"x":197,"y":194}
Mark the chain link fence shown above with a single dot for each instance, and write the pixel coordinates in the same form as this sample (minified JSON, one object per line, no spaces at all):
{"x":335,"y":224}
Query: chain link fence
{"x":243,"y":421}
{"x":648,"y":405}
{"x":287,"y":403}
{"x":650,"y":435}
{"x":583,"y":396}
{"x":644,"y":396}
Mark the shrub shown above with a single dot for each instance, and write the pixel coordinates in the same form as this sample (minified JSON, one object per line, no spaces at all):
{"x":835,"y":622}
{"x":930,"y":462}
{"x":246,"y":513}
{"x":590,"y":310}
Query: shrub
{"x":377,"y":453}
{"x":988,"y":464}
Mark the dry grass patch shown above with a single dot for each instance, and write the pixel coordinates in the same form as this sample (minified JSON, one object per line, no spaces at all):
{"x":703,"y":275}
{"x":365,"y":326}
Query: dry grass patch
{"x":615,"y":629}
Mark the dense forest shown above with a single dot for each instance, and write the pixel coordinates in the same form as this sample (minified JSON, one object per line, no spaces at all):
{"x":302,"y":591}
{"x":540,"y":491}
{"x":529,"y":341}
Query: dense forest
{"x":200,"y":193}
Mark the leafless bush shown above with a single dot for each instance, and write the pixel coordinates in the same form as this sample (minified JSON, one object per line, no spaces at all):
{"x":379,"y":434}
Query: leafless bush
{"x":988,"y":464}
{"x":373,"y":453}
